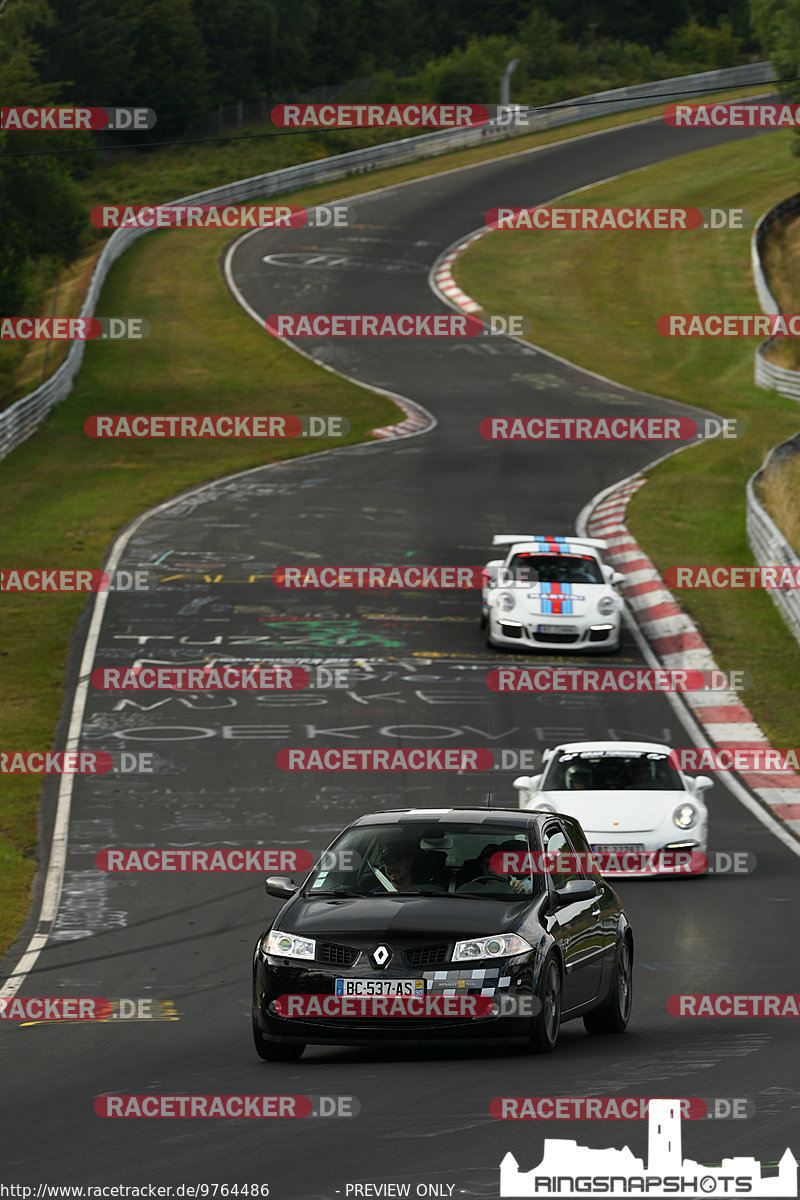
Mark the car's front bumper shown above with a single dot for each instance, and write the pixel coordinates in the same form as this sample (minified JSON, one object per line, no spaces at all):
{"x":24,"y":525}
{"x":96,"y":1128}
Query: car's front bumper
{"x":522,"y":632}
{"x":509,"y":982}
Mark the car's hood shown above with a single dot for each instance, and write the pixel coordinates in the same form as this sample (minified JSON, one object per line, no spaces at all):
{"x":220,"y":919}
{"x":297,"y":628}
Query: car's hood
{"x":428,"y":918}
{"x":558,"y":600}
{"x":628,"y":811}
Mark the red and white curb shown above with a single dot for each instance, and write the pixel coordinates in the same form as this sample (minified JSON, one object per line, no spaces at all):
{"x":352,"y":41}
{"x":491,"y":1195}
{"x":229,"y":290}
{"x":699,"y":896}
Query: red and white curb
{"x":443,"y":276}
{"x":727,"y":722}
{"x":417,"y":419}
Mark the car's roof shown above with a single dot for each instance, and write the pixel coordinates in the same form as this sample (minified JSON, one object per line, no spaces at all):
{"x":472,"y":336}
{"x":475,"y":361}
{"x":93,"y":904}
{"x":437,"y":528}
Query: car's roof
{"x":620,"y":747}
{"x":435,"y":816}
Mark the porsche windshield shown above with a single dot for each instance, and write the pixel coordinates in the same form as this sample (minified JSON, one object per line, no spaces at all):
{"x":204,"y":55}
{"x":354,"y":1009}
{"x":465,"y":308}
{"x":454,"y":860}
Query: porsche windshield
{"x":611,"y":771}
{"x":416,"y":859}
{"x":554,"y":568}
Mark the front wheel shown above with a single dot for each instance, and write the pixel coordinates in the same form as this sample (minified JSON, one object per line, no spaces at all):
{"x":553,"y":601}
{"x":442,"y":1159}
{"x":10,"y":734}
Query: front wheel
{"x":276,"y":1051}
{"x":546,"y":1023}
{"x":614,"y":1014}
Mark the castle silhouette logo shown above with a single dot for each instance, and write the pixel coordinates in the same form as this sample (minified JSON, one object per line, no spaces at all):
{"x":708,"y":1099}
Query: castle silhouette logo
{"x":568,"y":1169}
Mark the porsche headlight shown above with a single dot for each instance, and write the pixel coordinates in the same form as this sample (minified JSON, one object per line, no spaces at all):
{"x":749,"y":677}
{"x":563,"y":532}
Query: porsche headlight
{"x":500,"y":945}
{"x":288,"y":945}
{"x":505,"y":601}
{"x":685,"y":816}
{"x":606,"y":605}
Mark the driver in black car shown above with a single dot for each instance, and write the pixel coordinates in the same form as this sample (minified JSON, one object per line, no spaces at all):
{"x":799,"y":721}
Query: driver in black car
{"x":403,"y":866}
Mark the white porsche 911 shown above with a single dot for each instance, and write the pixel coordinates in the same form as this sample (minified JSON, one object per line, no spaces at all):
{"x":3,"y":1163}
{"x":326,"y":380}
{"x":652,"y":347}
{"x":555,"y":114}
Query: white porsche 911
{"x":551,"y":591}
{"x":631,"y":802}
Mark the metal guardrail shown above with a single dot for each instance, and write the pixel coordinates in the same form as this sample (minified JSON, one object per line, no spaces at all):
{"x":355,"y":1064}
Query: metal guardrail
{"x":768,"y":374}
{"x":21,"y":419}
{"x":768,"y":544}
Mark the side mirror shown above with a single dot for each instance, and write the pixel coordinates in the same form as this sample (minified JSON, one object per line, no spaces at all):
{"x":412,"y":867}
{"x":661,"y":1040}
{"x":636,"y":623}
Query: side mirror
{"x":617,"y":578}
{"x":547,"y":755}
{"x":280,"y":886}
{"x":523,"y":782}
{"x":702,"y":783}
{"x":576,"y":889}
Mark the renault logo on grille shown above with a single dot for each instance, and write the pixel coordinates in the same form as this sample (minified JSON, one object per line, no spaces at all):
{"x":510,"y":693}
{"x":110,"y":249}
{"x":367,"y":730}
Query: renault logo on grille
{"x":381,"y":956}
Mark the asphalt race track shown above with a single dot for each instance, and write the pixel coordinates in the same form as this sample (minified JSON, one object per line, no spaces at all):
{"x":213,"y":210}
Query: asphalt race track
{"x":184,"y":941}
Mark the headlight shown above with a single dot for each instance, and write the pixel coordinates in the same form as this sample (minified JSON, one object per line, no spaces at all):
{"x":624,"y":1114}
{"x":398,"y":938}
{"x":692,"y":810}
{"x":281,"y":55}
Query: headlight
{"x":505,"y":601}
{"x":500,"y":945}
{"x":685,"y":816}
{"x":288,"y":945}
{"x":606,"y":605}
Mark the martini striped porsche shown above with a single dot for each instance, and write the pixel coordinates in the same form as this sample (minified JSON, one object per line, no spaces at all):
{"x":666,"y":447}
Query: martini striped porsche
{"x":551,"y":591}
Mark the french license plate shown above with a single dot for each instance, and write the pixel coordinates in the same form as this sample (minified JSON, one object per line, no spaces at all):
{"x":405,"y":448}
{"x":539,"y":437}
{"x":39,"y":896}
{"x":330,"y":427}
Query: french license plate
{"x":557,"y":628}
{"x":380,"y":987}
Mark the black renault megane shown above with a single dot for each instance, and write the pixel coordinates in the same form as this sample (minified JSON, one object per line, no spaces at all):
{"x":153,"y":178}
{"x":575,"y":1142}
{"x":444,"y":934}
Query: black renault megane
{"x":426,"y":925}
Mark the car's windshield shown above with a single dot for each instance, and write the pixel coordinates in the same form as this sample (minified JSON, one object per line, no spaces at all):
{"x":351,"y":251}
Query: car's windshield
{"x":554,"y":568}
{"x":612,"y":770}
{"x":415,"y":858}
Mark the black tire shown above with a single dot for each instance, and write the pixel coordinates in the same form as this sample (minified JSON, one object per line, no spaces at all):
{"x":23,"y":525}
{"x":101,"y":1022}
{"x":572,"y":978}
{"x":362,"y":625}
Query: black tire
{"x":546,"y":1023}
{"x":276,"y":1051}
{"x":484,"y":619}
{"x":614,"y":1014}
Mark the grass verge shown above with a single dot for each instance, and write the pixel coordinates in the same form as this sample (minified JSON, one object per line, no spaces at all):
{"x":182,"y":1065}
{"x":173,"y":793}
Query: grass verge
{"x":595,"y":299}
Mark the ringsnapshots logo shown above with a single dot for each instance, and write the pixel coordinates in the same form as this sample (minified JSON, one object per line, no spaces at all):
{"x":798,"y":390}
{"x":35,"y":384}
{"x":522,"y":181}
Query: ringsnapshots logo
{"x":569,"y":1170}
